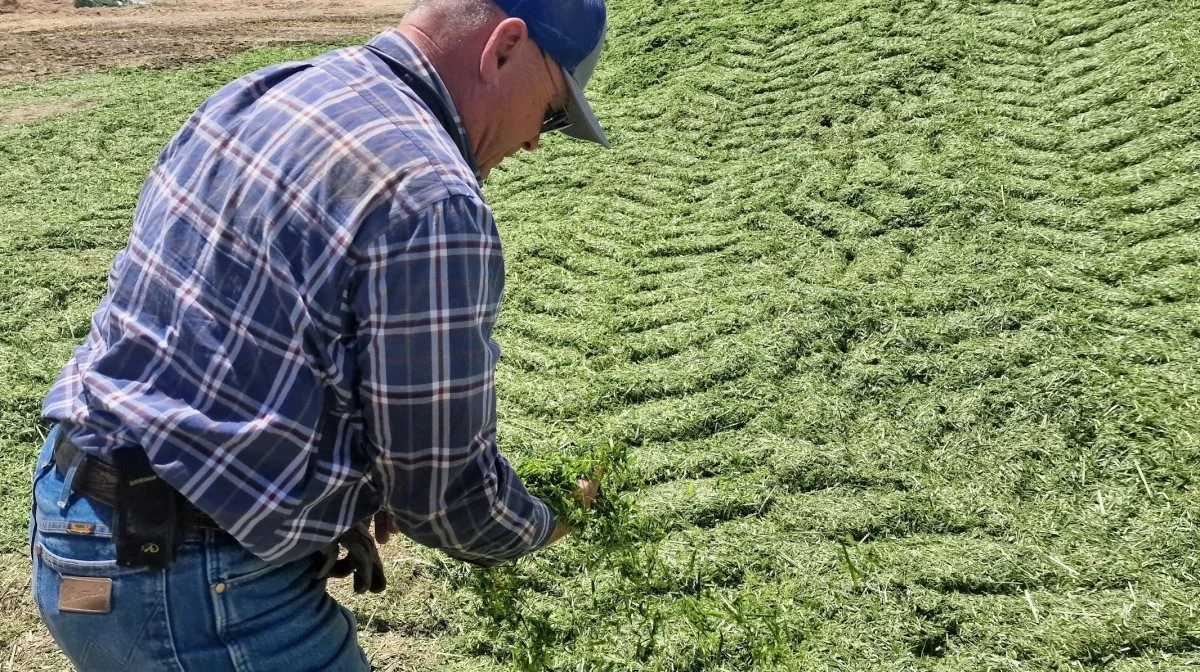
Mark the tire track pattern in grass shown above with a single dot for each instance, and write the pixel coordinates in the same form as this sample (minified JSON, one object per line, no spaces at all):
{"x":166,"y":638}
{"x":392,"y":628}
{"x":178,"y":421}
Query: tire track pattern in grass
{"x":872,"y":277}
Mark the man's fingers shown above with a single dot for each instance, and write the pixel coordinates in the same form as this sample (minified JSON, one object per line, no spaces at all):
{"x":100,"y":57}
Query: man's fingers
{"x":587,"y":492}
{"x":560,"y":530}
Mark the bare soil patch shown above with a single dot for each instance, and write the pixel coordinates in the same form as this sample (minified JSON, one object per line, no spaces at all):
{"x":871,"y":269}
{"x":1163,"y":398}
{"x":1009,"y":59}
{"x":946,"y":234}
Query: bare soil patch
{"x":25,"y":114}
{"x":46,"y":38}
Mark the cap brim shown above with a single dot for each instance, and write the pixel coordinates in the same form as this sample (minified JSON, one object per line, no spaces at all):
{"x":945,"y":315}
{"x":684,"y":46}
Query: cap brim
{"x":584,"y":125}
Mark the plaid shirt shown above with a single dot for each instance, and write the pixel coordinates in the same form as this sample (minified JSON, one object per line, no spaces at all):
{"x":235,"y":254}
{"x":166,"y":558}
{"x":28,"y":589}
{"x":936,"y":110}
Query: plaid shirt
{"x":299,"y":330}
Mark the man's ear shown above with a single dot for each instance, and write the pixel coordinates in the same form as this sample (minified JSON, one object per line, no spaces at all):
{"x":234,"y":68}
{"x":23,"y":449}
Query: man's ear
{"x":501,"y":47}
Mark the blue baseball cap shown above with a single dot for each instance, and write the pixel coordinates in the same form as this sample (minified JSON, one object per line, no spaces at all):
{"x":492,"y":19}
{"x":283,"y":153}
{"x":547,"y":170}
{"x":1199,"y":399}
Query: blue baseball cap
{"x":572,"y":33}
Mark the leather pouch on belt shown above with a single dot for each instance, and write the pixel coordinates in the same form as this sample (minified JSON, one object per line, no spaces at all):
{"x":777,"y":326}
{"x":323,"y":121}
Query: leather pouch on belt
{"x":146,"y":524}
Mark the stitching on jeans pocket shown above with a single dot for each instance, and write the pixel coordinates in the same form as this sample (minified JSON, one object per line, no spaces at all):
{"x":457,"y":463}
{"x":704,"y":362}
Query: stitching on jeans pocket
{"x":130,"y":658}
{"x":249,"y":576}
{"x":63,"y":565}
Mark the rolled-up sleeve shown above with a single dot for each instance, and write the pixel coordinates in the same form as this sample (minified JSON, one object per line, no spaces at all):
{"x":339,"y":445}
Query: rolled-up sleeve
{"x":425,"y":297}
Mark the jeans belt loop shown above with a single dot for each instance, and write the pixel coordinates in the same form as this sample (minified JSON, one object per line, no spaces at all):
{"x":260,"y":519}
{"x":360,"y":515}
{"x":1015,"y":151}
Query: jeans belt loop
{"x":64,"y":497}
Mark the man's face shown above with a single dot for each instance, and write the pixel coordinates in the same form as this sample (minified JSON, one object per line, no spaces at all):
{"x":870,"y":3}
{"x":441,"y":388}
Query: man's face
{"x":536,"y":90}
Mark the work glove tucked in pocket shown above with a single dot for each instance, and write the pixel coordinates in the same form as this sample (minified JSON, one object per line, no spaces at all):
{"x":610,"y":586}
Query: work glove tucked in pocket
{"x":362,"y":560}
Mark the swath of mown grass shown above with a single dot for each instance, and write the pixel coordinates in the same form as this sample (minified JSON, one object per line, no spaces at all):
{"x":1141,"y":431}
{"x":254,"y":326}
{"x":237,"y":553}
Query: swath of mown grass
{"x":885,"y":313}
{"x":872,"y":232}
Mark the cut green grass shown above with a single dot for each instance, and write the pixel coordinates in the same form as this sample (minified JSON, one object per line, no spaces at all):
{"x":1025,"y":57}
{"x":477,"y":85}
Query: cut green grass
{"x":886,"y":311}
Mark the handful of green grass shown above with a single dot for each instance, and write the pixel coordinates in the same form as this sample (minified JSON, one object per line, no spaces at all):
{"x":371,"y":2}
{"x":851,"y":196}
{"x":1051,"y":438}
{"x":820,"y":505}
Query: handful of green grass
{"x":520,"y":626}
{"x":556,"y":481}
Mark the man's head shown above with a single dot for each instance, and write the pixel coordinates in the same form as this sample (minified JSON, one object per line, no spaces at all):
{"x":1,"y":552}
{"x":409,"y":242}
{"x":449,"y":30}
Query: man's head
{"x":515,"y":68}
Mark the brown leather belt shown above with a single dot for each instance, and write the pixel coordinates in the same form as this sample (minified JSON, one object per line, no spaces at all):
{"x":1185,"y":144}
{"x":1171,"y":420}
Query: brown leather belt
{"x":97,"y":481}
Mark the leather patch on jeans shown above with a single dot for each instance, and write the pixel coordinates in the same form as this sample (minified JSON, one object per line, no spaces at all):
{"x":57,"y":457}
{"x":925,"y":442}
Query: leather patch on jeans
{"x":85,"y":595}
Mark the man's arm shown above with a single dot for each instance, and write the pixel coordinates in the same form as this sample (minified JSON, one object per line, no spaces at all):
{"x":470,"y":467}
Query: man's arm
{"x":426,"y":297}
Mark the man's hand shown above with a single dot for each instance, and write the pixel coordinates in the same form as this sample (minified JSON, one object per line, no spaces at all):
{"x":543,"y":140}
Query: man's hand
{"x":586,"y":492}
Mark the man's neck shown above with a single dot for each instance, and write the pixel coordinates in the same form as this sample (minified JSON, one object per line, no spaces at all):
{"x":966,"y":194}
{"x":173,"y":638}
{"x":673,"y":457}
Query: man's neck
{"x":426,"y":43}
{"x":452,"y":68}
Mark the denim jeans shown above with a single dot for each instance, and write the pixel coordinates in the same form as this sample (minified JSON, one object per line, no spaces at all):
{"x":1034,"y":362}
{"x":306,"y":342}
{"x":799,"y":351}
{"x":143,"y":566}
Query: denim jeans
{"x":217,"y":609}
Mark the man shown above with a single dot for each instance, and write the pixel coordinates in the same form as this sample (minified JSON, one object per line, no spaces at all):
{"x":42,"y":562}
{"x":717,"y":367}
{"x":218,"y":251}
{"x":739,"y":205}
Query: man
{"x":296,"y":339}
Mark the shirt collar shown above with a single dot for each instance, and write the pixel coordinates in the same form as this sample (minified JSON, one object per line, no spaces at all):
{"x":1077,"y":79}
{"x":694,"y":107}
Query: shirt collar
{"x":393,"y":43}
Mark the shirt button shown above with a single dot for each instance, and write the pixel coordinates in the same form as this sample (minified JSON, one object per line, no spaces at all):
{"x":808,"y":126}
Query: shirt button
{"x":219,"y":588}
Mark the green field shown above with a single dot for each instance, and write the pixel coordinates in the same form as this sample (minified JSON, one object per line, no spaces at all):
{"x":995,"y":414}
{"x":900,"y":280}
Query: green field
{"x":895,"y":306}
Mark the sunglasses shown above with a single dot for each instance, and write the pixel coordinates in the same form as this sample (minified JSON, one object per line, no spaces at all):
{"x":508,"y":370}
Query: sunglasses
{"x":555,"y":120}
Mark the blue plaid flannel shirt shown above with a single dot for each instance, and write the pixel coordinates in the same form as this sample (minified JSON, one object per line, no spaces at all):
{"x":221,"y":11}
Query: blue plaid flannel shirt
{"x":299,"y":331}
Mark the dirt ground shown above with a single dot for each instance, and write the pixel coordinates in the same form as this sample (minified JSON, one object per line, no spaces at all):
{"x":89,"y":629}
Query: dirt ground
{"x":47,"y":38}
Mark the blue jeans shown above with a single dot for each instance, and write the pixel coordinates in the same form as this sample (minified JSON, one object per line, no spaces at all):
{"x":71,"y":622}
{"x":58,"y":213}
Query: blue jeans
{"x":217,"y":609}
